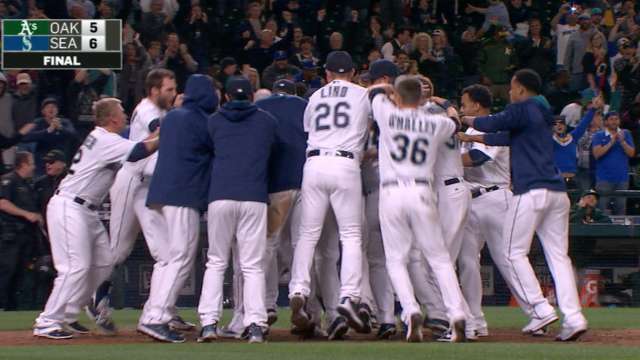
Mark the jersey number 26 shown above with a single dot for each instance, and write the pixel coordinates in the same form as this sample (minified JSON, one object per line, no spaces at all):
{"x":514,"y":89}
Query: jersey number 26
{"x":340,"y":116}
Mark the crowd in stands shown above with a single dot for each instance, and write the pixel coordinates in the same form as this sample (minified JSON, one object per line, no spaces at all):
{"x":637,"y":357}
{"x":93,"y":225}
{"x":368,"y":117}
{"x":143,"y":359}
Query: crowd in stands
{"x":583,"y":50}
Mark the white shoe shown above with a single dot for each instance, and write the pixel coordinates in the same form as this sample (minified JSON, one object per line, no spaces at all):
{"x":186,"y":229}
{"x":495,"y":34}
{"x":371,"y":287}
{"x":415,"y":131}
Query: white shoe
{"x":538,"y":323}
{"x":571,"y":333}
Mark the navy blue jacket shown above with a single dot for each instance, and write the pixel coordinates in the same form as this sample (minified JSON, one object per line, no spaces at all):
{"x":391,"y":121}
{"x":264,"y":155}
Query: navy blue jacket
{"x":532,"y":161}
{"x":181,"y":176}
{"x":288,"y":156}
{"x":243,"y":137}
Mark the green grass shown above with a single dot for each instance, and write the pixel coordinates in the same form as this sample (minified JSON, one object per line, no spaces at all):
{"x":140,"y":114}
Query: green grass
{"x":498,"y":317}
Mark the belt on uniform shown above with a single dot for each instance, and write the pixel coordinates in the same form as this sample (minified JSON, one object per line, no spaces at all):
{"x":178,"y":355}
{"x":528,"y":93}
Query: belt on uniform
{"x":418,"y":181}
{"x":476,"y":192}
{"x":452,"y":181}
{"x":341,"y":153}
{"x":81,"y":201}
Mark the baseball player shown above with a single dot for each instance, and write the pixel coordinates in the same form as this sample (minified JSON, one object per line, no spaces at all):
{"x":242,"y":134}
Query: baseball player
{"x":336,"y":119}
{"x":178,"y":193}
{"x":409,"y":141}
{"x":539,"y":205}
{"x":242,"y":136}
{"x":79,"y":242}
{"x":381,"y":72}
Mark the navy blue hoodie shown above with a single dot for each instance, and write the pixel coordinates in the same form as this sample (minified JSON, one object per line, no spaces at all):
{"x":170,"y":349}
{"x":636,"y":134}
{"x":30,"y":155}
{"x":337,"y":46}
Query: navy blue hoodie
{"x":288,"y":156}
{"x":529,"y":123}
{"x":181,"y":176}
{"x":243,"y":137}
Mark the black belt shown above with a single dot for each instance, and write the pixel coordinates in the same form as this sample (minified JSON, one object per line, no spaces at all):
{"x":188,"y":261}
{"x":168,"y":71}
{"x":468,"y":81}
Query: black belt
{"x":342,"y":153}
{"x":452,"y":181}
{"x":419,"y":181}
{"x":81,"y":201}
{"x":476,"y":192}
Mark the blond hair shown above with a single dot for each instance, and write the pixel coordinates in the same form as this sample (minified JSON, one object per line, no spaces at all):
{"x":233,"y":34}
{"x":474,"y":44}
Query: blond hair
{"x":603,"y":45}
{"x":422,"y":35}
{"x":104,"y":108}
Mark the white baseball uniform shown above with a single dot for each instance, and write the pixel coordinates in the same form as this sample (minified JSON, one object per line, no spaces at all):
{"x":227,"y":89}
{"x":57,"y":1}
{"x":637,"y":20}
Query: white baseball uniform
{"x":79,"y":242}
{"x":409,"y":141}
{"x":336,"y":119}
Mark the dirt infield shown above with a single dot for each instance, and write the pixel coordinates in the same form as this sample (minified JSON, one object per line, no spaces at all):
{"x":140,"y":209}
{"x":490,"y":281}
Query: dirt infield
{"x":624,"y":337}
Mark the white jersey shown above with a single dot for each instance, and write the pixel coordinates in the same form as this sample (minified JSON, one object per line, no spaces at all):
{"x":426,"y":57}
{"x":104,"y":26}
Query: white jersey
{"x":448,"y":163}
{"x":371,"y":169}
{"x":337,"y":117}
{"x":143,"y":115}
{"x":563,"y":33}
{"x":95,"y":164}
{"x":409,"y":140}
{"x":493,"y":172}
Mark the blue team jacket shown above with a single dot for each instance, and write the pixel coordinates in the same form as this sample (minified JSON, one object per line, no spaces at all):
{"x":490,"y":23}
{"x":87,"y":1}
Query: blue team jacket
{"x":529,"y":124}
{"x":242,"y":137}
{"x":288,"y":156}
{"x":181,"y":176}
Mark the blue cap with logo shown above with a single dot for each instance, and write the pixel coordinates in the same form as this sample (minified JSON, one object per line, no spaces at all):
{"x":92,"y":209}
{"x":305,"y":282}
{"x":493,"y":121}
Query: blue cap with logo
{"x":339,"y":62}
{"x":280,"y":55}
{"x":238,"y":86}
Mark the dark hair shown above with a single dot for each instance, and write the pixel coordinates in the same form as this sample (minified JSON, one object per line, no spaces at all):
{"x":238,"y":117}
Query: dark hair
{"x":155,"y":77}
{"x":22,"y":157}
{"x":529,"y":79}
{"x":409,"y":89}
{"x":479,"y":94}
{"x":306,"y":39}
{"x":402,"y":30}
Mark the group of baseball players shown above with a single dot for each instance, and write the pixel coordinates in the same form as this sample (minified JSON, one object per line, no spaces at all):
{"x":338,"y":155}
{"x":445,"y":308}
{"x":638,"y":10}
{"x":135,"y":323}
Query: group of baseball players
{"x":377,"y":190}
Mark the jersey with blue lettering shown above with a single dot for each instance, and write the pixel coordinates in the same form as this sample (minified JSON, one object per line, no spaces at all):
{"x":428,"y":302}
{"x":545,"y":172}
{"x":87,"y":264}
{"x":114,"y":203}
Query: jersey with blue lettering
{"x":448,"y":163}
{"x":337,"y":116}
{"x":146,"y":117}
{"x":94,"y":166}
{"x":409,"y":140}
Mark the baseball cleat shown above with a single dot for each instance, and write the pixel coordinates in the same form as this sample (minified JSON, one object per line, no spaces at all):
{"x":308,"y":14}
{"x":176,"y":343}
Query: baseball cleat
{"x":227,"y":333}
{"x":272,"y":316}
{"x":314,"y":331}
{"x":347,"y":309}
{"x":538,"y":323}
{"x":208,"y":333}
{"x":299,"y":316}
{"x":540,"y":333}
{"x":256,"y":336}
{"x":177,"y":323}
{"x":386,"y":331}
{"x":482,"y":332}
{"x":455,"y":333}
{"x":54,"y":333}
{"x":414,"y":328}
{"x":338,"y":329}
{"x":438,"y":327}
{"x":364,"y":312}
{"x":471,"y":335}
{"x":571,"y":333}
{"x":160,"y":332}
{"x":76,"y":328}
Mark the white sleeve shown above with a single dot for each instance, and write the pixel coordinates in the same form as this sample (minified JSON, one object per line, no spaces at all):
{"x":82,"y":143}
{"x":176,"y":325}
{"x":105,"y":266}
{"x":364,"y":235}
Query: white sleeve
{"x":447,"y":128}
{"x":387,"y":51}
{"x":490,"y":151}
{"x":378,"y":107}
{"x":116,"y":149}
{"x":307,"y":117}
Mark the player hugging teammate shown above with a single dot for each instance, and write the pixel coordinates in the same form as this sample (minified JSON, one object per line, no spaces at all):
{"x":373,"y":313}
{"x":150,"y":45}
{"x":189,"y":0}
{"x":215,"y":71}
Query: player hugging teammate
{"x":371,"y":188}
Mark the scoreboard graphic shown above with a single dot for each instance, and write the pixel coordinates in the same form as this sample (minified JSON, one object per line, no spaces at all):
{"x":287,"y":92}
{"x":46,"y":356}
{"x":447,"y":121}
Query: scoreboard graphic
{"x":62,"y":44}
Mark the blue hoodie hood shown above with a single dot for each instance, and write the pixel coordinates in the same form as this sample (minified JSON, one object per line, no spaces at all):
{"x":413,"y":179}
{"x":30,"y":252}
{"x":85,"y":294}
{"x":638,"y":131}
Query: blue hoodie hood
{"x":544,"y":106}
{"x":237,"y":110}
{"x":200,"y":94}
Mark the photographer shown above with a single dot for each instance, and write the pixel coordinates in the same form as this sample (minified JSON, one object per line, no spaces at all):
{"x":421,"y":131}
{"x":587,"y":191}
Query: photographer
{"x":586,"y":210}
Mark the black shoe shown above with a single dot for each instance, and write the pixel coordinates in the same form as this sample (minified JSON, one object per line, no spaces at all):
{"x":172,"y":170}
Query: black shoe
{"x":364,"y":312}
{"x":338,"y":329}
{"x":177,"y":323}
{"x":56,"y":334}
{"x":256,"y":335}
{"x":208,"y":333}
{"x":347,"y":309}
{"x":160,"y":332}
{"x":438,"y":327}
{"x":272,"y":316}
{"x":77,"y":328}
{"x":386,"y":331}
{"x":299,"y":316}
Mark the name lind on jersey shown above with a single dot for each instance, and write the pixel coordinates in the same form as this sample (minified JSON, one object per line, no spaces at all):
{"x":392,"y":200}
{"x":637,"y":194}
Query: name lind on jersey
{"x":333,"y":91}
{"x":412,"y":123}
{"x":58,"y":60}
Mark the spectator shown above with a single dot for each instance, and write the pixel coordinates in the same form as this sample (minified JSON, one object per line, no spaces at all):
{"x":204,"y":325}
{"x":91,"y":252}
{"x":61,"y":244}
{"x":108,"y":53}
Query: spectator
{"x":260,"y":55}
{"x":198,"y":37}
{"x":228,"y":68}
{"x":495,"y":14}
{"x":305,"y":52}
{"x":469,"y":51}
{"x":309,"y":77}
{"x":135,"y":67}
{"x":401,"y":42}
{"x":625,"y":26}
{"x":423,"y":14}
{"x":535,"y":51}
{"x":81,"y":9}
{"x":572,"y":113}
{"x":254,"y":19}
{"x":168,"y":7}
{"x":336,"y":42}
{"x":373,"y":38}
{"x":586,"y":176}
{"x":403,"y":62}
{"x":59,"y":135}
{"x":25,"y":101}
{"x":18,"y":216}
{"x":279,"y":69}
{"x":576,"y":48}
{"x":55,"y":169}
{"x":596,"y":64}
{"x":155,"y":22}
{"x":422,"y":45}
{"x":565,"y":143}
{"x":154,"y":50}
{"x":253,"y":75}
{"x":85,"y":88}
{"x":612,"y":148}
{"x":558,"y":93}
{"x":178,"y":59}
{"x":497,"y":62}
{"x":7,"y":129}
{"x":519,"y":14}
{"x":564,"y":31}
{"x":597,"y":20}
{"x":627,"y":69}
{"x":586,"y":210}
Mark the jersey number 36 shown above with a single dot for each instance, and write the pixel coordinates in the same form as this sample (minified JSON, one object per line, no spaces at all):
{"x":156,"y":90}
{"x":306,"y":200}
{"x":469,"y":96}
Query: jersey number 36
{"x":416,"y":151}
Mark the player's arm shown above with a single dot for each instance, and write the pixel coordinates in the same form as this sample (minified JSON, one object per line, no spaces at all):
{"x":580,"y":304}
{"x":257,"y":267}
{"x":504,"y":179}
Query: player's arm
{"x":504,"y":120}
{"x":474,"y":157}
{"x":146,"y":147}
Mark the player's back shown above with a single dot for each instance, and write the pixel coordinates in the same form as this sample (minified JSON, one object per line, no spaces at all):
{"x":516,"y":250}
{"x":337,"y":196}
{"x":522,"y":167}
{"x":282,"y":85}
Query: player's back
{"x":409,"y":140}
{"x":336,"y":117}
{"x":145,"y":119}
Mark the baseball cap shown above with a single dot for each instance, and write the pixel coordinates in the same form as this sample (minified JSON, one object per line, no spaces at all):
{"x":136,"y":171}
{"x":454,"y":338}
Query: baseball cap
{"x":584,"y":16}
{"x":590,"y":192}
{"x":285,"y":86}
{"x":238,"y":85}
{"x":23,"y":78}
{"x":308,"y":64}
{"x":227,"y":61}
{"x":610,"y":114}
{"x":49,"y":100}
{"x":596,"y":11}
{"x":339,"y":62}
{"x":54,"y":155}
{"x":560,"y":119}
{"x":280,"y":55}
{"x":624,"y":42}
{"x":383,"y":67}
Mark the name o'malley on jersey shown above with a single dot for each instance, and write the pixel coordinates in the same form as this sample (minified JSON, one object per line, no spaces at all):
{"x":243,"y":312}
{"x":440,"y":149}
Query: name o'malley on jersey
{"x":413,"y":123}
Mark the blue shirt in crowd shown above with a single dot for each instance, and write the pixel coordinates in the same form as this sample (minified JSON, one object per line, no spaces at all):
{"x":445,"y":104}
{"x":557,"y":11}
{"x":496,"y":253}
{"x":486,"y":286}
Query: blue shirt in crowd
{"x":613,"y":166}
{"x":565,"y":152}
{"x":288,"y":156}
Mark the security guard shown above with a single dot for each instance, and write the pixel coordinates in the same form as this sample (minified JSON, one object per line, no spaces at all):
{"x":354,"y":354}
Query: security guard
{"x":46,"y":185}
{"x":19,"y":218}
